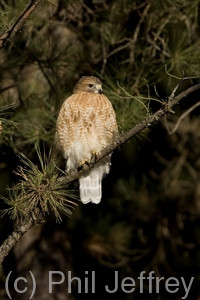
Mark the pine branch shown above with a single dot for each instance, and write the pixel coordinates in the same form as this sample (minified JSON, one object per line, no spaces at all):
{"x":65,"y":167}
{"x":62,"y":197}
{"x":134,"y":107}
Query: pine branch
{"x":20,"y":230}
{"x":10,"y":33}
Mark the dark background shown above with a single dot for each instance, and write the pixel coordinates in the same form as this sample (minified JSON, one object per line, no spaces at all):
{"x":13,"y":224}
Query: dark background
{"x":149,"y":216}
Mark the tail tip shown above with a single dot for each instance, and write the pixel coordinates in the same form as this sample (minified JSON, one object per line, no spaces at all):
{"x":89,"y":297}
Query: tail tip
{"x":94,"y":200}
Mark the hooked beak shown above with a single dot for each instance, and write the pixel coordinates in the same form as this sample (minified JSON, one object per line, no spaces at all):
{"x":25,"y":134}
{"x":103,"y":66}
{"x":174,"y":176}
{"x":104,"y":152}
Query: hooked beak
{"x":99,"y":89}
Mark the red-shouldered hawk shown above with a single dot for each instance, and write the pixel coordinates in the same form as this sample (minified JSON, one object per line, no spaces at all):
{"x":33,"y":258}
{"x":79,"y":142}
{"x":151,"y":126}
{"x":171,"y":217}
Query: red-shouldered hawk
{"x":86,"y":124}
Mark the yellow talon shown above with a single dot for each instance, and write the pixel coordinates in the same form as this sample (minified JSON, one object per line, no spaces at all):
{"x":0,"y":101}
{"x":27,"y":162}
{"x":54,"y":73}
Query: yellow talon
{"x":95,"y":153}
{"x":82,"y":162}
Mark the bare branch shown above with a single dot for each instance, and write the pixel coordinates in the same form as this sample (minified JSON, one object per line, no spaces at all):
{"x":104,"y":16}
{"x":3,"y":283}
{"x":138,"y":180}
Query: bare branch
{"x":9,"y":34}
{"x":20,"y":230}
{"x":137,"y":30}
{"x":182,"y":117}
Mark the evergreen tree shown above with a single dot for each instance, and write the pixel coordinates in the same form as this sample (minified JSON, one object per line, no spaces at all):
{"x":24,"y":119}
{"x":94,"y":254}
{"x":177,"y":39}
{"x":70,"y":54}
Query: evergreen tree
{"x":148,"y":219}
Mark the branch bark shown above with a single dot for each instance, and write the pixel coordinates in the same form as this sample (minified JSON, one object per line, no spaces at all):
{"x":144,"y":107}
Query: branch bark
{"x":20,"y":230}
{"x":10,"y":33}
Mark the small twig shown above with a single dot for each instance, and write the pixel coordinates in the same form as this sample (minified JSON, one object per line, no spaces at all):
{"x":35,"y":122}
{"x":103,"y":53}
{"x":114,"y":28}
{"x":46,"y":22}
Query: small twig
{"x":53,"y":3}
{"x":20,"y":230}
{"x":104,"y":54}
{"x":118,"y":49}
{"x":156,"y":92}
{"x":130,"y":96}
{"x":171,"y":75}
{"x":7,"y":88}
{"x":182,"y":117}
{"x":136,"y":32}
{"x":9,"y":34}
{"x":180,"y":82}
{"x":45,"y":74}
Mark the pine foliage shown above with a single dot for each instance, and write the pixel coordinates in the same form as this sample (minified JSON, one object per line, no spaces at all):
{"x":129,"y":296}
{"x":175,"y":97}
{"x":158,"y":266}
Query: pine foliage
{"x":149,"y":215}
{"x":39,"y":186}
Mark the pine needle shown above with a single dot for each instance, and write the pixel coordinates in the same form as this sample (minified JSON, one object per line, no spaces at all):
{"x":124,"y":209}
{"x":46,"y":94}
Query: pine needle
{"x":39,"y":187}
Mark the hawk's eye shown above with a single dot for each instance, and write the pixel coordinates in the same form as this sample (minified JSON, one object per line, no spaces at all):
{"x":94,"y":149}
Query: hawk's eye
{"x":90,"y":85}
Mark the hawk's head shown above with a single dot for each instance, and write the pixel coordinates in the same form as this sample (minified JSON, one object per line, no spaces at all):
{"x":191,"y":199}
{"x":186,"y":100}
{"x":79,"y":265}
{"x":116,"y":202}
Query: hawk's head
{"x":89,"y":84}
